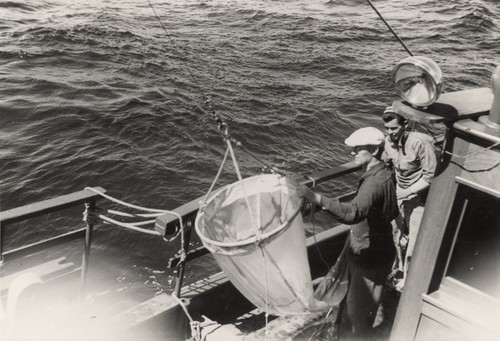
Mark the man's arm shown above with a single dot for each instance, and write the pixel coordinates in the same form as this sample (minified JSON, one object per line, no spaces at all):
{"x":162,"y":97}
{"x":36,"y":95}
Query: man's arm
{"x":351,"y":212}
{"x":427,"y":155}
{"x":417,"y":187}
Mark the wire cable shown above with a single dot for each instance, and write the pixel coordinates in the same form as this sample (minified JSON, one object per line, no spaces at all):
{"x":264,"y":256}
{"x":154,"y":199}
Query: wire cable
{"x":390,"y":28}
{"x":222,"y":126}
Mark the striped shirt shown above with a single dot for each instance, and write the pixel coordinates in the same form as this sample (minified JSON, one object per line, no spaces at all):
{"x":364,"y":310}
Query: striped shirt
{"x":412,"y":160}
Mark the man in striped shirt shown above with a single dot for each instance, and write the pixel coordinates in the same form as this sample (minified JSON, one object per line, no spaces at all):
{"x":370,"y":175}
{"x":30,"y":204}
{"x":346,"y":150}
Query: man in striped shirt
{"x":412,"y":156}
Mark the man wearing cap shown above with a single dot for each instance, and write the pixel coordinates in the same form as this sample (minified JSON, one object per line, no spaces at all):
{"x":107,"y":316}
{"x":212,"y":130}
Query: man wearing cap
{"x":412,"y":156}
{"x":370,"y":247}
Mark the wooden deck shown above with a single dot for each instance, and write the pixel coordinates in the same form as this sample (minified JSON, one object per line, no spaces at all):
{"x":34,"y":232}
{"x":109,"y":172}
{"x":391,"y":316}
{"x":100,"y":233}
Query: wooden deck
{"x":235,"y":318}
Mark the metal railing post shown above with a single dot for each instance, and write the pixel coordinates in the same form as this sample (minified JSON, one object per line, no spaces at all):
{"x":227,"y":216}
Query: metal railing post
{"x":182,"y":265}
{"x":86,"y":251}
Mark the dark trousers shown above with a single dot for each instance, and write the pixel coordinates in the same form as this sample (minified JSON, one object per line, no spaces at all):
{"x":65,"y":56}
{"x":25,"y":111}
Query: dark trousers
{"x":358,"y":310}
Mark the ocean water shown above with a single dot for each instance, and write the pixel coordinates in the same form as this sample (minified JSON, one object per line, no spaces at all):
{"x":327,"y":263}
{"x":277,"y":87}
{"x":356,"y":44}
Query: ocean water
{"x":96,"y":93}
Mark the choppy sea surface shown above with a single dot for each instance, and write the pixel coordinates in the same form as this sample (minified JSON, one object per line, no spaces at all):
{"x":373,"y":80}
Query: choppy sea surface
{"x":95,"y":93}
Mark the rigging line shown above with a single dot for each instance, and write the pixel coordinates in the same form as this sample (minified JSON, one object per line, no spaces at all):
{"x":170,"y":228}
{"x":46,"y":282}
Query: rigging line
{"x":266,"y":165}
{"x":473,"y":154}
{"x":245,"y":150}
{"x":389,"y":27}
{"x":221,"y":124}
{"x":177,"y":50}
{"x":312,"y":211}
{"x":128,"y":226}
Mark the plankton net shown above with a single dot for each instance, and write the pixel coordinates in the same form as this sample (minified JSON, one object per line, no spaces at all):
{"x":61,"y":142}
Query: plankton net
{"x":254,"y":230}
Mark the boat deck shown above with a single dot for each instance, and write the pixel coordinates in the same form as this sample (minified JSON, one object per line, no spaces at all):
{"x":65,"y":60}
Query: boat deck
{"x":234,"y":318}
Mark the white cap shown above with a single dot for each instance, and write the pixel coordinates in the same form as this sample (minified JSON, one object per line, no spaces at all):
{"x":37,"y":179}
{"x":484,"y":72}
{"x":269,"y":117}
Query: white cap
{"x":364,"y":136}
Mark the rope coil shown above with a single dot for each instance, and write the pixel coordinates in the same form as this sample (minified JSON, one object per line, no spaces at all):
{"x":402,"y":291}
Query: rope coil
{"x":134,"y":225}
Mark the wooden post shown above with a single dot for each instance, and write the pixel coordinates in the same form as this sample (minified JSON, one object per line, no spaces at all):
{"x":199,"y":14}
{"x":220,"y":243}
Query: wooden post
{"x":90,"y":207}
{"x":1,"y":243}
{"x":495,"y":87}
{"x":493,"y":119}
{"x":182,"y":265}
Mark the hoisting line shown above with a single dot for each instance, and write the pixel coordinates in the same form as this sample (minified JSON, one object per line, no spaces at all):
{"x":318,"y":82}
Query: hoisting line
{"x":222,"y":126}
{"x":390,"y":28}
{"x":223,"y":129}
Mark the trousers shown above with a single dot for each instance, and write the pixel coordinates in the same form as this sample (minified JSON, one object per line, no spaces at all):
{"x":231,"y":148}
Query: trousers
{"x":358,"y":310}
{"x":406,"y":228}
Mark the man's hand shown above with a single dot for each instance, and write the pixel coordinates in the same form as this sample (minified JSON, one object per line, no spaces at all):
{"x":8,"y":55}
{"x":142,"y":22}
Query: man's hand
{"x":402,"y":193}
{"x":304,"y":191}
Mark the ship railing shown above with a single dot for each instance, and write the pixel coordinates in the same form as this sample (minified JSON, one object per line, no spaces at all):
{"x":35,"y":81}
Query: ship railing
{"x":46,"y":207}
{"x":168,"y":224}
{"x":188,"y":213}
{"x":165,"y":225}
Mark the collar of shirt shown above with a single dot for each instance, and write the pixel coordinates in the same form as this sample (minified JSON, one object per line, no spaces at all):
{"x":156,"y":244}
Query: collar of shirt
{"x":401,"y":142}
{"x":373,"y":169}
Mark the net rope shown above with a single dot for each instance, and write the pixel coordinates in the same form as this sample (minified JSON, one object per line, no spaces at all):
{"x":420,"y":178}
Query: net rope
{"x":257,"y":227}
{"x":154,"y":213}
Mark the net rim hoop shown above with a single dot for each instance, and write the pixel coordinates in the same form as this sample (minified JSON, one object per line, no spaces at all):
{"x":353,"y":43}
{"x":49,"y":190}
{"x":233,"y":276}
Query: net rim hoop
{"x":248,"y":241}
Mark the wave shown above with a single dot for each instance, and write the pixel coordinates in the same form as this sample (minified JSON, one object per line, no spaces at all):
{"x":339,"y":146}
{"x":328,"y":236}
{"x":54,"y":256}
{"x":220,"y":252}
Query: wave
{"x":95,"y":94}
{"x":477,"y":19}
{"x":17,"y":5}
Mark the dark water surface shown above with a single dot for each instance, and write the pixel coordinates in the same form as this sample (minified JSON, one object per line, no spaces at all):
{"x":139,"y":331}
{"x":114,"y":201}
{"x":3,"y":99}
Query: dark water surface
{"x":93,"y":93}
